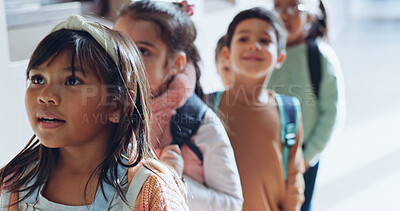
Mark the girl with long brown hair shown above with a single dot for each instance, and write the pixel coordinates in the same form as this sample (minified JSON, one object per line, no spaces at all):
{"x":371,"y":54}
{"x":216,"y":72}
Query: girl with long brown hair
{"x":87,"y":103}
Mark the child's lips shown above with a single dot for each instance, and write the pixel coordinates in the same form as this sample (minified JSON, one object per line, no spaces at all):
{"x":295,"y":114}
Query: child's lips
{"x":253,"y":58}
{"x":50,"y":124}
{"x":50,"y":120}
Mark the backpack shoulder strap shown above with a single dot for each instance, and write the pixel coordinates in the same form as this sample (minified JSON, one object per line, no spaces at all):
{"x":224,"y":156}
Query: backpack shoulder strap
{"x":186,"y":122}
{"x":314,"y":64}
{"x":8,"y":198}
{"x":288,"y":110}
{"x":135,"y":182}
{"x":5,"y":198}
{"x":214,"y":99}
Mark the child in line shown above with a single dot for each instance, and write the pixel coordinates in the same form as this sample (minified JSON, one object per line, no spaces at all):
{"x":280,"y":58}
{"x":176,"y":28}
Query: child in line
{"x":87,"y":102}
{"x":255,"y":47}
{"x":313,"y":74}
{"x":165,"y":36}
{"x":223,"y":67}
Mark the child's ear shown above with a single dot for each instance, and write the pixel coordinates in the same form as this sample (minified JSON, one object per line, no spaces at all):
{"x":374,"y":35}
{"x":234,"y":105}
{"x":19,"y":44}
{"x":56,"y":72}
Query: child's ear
{"x":225,"y":53}
{"x":114,"y":116}
{"x":179,"y":62}
{"x":281,"y":59}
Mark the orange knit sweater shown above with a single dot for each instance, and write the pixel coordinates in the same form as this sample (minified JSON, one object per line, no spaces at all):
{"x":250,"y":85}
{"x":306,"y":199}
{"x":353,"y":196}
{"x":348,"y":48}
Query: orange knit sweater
{"x":160,"y":191}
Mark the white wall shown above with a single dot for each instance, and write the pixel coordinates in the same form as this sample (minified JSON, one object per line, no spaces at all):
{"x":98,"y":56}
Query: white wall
{"x":14,"y":127}
{"x":375,"y":10}
{"x":338,"y":16}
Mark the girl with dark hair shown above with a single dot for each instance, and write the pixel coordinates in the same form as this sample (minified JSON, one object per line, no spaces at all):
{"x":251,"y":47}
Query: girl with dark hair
{"x":313,"y":74}
{"x":87,"y":102}
{"x":165,"y":36}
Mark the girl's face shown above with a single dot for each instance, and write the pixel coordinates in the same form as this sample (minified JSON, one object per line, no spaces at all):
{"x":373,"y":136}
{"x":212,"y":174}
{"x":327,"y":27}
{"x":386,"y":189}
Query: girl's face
{"x":146,"y":36}
{"x":67,"y":110}
{"x":253,"y":50}
{"x":295,"y":18}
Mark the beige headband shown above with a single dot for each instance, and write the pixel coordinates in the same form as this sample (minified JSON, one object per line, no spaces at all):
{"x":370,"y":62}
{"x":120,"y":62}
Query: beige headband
{"x":98,"y":32}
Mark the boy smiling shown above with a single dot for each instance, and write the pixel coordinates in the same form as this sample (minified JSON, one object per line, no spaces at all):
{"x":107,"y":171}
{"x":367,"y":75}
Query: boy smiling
{"x":255,"y":47}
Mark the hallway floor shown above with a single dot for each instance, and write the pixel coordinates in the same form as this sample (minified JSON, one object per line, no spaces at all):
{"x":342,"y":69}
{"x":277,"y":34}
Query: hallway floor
{"x":360,"y":170}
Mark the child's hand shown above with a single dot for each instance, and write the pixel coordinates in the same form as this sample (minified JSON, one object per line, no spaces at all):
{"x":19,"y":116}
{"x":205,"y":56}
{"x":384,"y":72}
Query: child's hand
{"x":172,"y":156}
{"x":193,"y":166}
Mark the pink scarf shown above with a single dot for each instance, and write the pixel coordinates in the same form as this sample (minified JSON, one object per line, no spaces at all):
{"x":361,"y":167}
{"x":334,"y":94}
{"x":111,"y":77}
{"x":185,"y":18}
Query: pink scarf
{"x":164,"y":106}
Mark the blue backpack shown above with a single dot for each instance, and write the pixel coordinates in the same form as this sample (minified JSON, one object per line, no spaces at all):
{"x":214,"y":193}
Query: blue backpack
{"x":289,"y":108}
{"x":187,"y":120}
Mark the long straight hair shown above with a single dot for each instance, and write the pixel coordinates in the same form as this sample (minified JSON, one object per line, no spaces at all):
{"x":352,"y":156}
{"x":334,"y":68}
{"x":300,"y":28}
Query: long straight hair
{"x":125,"y":80}
{"x":178,"y":32}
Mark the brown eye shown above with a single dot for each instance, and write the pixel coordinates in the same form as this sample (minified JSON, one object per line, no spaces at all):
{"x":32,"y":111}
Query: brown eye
{"x":243,"y":39}
{"x":264,"y":41}
{"x":72,"y":81}
{"x":144,"y":51}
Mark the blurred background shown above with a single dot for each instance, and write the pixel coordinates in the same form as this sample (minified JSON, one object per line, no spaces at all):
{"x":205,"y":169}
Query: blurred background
{"x":360,"y":169}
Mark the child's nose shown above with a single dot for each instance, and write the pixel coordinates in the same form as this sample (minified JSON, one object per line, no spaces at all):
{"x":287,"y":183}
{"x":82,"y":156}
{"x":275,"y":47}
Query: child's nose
{"x":49,"y":96}
{"x":254,"y":46}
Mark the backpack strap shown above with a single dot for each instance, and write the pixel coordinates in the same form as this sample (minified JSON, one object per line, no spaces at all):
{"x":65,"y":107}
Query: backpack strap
{"x":186,"y":122}
{"x":5,"y":199}
{"x":214,"y":99}
{"x":288,"y":110}
{"x":135,"y":185}
{"x":314,"y":64}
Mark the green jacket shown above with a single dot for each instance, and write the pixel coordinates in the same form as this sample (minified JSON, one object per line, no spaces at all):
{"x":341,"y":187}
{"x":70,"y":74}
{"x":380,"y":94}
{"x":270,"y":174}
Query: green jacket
{"x":319,"y":116}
